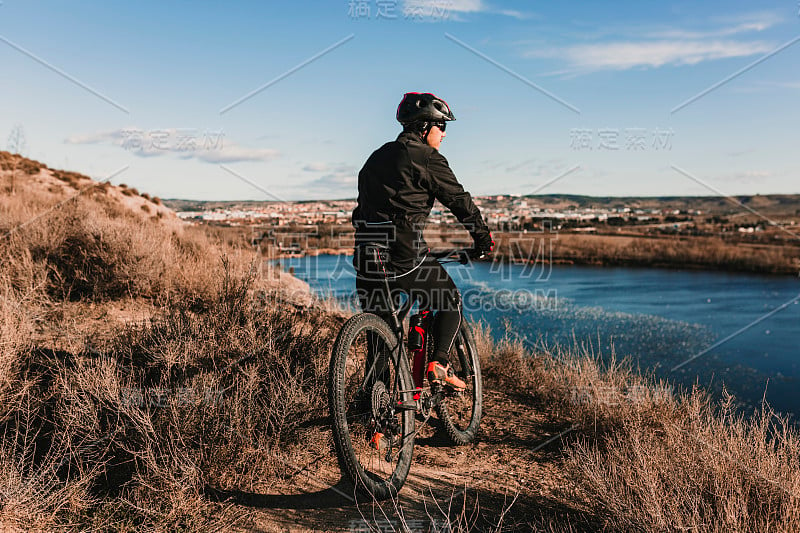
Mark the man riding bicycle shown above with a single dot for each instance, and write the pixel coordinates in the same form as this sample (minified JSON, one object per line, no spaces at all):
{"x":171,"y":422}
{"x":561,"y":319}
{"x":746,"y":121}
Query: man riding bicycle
{"x":397,"y":188}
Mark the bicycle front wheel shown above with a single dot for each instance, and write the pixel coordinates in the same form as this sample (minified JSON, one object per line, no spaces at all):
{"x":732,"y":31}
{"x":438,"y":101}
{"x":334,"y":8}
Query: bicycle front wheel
{"x":371,"y":396}
{"x":461,"y":413}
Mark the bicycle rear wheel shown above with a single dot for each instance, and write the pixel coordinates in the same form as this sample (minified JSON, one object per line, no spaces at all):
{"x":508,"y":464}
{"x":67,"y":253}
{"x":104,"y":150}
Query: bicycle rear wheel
{"x":461,"y":413}
{"x":371,"y":392}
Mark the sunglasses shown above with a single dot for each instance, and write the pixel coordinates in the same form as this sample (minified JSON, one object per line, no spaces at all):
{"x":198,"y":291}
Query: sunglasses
{"x":440,"y":125}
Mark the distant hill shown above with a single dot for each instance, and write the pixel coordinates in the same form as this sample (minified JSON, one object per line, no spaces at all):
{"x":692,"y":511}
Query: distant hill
{"x":786,"y":204}
{"x":773,"y":203}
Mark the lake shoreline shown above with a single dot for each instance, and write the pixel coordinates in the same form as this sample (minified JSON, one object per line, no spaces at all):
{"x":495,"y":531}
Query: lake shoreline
{"x":643,"y":264}
{"x":686,"y":253}
{"x":600,"y":262}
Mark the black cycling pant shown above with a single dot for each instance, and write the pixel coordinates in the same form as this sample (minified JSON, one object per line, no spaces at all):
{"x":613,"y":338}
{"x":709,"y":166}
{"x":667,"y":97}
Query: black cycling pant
{"x":428,"y":283}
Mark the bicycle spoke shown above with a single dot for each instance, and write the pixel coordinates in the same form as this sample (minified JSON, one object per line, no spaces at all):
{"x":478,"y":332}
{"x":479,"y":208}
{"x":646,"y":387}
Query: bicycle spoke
{"x":461,"y":413}
{"x":371,"y":383}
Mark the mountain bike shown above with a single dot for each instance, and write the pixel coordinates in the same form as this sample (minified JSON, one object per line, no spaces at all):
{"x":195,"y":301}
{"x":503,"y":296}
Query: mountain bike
{"x":378,"y":387}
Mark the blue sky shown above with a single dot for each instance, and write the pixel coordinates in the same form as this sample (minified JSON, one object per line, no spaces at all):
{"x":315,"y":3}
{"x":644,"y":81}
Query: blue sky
{"x":576,"y":97}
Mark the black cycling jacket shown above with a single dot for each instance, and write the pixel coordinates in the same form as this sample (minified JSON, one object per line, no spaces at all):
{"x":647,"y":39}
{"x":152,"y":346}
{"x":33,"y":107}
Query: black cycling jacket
{"x":396,"y":190}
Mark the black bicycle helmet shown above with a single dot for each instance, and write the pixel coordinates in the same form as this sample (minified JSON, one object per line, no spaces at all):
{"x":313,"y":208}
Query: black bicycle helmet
{"x":423,"y":107}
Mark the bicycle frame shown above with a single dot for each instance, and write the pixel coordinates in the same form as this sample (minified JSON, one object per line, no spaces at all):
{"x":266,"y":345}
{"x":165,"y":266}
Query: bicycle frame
{"x":399,"y":315}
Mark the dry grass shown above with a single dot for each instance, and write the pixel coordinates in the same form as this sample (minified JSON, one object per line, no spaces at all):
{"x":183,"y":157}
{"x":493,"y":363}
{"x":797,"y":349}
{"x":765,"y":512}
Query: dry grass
{"x":93,"y":248}
{"x":651,"y":459}
{"x":129,"y":438}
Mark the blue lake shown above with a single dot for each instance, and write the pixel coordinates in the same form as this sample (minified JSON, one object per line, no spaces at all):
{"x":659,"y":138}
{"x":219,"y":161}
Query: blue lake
{"x":660,"y":319}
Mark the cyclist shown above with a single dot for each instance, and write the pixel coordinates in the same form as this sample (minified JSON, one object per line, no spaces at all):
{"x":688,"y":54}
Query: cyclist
{"x":397,"y":188}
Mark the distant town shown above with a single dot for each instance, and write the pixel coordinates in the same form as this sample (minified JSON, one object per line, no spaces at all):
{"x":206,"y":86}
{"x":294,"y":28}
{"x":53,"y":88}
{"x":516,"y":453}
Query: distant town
{"x":759,"y":217}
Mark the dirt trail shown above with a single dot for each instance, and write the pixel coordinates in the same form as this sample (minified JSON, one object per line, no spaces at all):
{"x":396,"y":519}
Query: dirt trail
{"x":518,"y":455}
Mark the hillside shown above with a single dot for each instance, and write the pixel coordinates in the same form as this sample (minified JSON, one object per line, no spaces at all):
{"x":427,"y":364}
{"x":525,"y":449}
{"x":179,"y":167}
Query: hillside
{"x":158,"y":377}
{"x":37,"y":183}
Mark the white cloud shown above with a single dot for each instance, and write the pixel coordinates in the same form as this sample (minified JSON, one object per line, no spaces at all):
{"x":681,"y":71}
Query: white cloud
{"x":336,"y":180}
{"x":730,"y":25}
{"x":787,"y":84}
{"x":208,"y":146}
{"x":339,"y":179}
{"x":442,"y":6}
{"x":645,"y":46}
{"x":623,"y":55}
{"x":747,"y":176}
{"x":449,"y":9}
{"x":763,"y":17}
{"x":316,"y":167}
{"x":231,"y":153}
{"x":705,"y":34}
{"x":96,"y":138}
{"x":515,"y":14}
{"x":761,"y":86}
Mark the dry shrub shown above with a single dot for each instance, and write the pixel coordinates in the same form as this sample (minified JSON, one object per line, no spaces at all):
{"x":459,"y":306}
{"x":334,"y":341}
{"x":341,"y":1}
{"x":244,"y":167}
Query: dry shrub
{"x":75,"y":448}
{"x":92,"y":248}
{"x":34,"y":456}
{"x":72,"y":178}
{"x":649,"y":458}
{"x":31,"y":493}
{"x":29,"y":167}
{"x":702,"y":469}
{"x":6,"y":161}
{"x":16,"y":329}
{"x":192,"y":400}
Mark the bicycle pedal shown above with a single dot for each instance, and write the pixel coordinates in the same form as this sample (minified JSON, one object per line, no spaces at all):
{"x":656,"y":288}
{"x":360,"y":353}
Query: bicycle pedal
{"x":407,"y":405}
